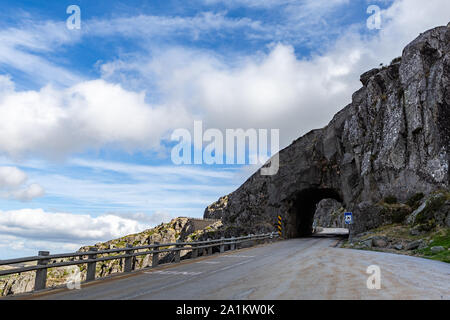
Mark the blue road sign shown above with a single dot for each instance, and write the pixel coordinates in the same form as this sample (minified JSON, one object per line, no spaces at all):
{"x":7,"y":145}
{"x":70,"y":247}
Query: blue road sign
{"x":348,"y":218}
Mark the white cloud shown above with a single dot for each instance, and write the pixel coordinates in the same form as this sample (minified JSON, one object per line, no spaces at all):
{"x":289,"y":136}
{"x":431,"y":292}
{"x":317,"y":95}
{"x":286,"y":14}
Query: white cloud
{"x":24,"y":232}
{"x":96,"y":186}
{"x":40,"y":225}
{"x":11,"y":177}
{"x":143,"y":172}
{"x":156,"y":218}
{"x":6,"y":84}
{"x":306,"y":22}
{"x":149,"y":26}
{"x":319,"y":5}
{"x":32,"y":191}
{"x":30,"y":46}
{"x":21,"y":48}
{"x":278,"y":89}
{"x":14,"y":247}
{"x":90,"y":114}
{"x":274,"y":90}
{"x":12,"y":181}
{"x":100,"y":191}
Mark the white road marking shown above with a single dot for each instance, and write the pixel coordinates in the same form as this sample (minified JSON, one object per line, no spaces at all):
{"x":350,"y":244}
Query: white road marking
{"x":140,"y":294}
{"x":236,"y":256}
{"x":232,"y":266}
{"x":184,"y":273}
{"x":208,"y":262}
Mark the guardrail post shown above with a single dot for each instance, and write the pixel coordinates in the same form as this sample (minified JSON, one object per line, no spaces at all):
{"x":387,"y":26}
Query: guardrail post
{"x":41,"y":275}
{"x":222,"y":245}
{"x":128,"y":266}
{"x":209,"y":249}
{"x":177,"y":252}
{"x":91,"y":266}
{"x":204,"y":251}
{"x":233,"y":244}
{"x":194,"y":251}
{"x":259,"y":240}
{"x":155,"y":256}
{"x":239,"y":243}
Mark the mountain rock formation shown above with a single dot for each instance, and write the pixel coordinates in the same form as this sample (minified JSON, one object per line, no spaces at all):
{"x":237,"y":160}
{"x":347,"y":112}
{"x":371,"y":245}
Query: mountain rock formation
{"x":391,"y":141}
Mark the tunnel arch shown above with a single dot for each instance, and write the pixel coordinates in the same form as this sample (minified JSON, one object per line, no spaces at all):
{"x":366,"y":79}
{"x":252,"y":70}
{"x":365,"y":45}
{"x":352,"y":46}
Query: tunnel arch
{"x":303,"y":206}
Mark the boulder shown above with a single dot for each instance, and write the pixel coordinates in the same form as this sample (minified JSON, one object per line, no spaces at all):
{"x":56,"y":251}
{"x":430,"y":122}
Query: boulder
{"x":368,"y":243}
{"x":415,"y":231}
{"x":414,"y":244}
{"x":412,"y":217}
{"x":435,"y":207}
{"x":437,"y":249}
{"x":380,"y":242}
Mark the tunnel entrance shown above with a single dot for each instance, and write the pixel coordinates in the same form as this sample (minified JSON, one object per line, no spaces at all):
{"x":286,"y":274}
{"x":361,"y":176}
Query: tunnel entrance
{"x":303,"y":209}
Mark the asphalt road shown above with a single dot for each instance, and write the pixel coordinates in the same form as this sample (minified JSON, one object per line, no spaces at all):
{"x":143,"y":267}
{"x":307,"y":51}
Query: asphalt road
{"x":307,"y":268}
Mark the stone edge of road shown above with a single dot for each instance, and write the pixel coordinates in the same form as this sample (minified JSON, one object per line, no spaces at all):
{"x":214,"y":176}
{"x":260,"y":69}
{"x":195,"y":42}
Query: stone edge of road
{"x":119,"y":276}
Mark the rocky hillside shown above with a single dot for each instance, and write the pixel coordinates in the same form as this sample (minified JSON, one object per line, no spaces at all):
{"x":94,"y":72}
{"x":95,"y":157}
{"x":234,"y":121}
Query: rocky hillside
{"x":184,"y":229}
{"x":419,"y":227}
{"x":391,"y":141}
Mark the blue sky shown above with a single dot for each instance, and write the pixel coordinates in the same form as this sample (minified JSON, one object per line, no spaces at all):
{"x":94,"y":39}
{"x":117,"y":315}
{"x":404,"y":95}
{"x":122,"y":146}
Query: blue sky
{"x":87,"y":114}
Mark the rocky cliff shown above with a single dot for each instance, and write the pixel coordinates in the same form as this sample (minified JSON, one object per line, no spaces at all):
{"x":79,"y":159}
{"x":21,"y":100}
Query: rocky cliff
{"x":391,"y":141}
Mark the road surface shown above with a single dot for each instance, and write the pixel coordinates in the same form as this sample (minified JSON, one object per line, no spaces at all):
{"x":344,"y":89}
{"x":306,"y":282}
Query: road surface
{"x":306,"y":268}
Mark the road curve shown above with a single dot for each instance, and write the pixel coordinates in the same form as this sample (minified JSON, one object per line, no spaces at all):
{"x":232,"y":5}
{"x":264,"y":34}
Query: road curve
{"x":306,"y":268}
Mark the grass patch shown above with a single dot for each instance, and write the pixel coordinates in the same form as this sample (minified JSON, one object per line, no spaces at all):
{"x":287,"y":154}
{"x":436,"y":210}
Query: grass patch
{"x":440,"y":239}
{"x":394,"y":230}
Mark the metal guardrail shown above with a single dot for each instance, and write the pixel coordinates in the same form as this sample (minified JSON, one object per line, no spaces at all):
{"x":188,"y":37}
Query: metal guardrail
{"x":202,"y":219}
{"x":43,"y":258}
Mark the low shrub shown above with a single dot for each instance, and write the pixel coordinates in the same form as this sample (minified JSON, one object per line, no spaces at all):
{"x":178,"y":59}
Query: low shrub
{"x":390,"y":199}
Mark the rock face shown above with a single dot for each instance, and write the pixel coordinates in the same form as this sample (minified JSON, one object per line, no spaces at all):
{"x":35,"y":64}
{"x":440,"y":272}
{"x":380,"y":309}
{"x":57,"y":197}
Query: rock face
{"x":17,"y":284}
{"x":329,"y":214}
{"x":392,"y":140}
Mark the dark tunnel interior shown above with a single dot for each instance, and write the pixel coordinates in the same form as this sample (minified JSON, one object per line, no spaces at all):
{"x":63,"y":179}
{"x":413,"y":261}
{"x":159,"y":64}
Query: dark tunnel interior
{"x":304,"y":207}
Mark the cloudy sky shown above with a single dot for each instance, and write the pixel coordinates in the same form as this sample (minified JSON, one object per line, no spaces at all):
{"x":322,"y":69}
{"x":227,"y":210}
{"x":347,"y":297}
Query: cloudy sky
{"x":86,"y":114}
